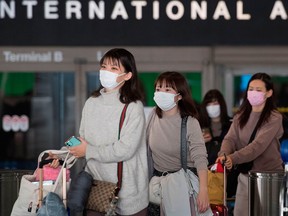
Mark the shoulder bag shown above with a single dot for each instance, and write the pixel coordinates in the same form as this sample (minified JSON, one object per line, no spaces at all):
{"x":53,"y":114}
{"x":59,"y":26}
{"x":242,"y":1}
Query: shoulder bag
{"x":103,"y":195}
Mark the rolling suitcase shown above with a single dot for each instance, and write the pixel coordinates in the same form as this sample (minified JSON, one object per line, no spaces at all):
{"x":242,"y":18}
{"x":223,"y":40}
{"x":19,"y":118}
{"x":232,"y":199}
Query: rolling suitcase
{"x":53,"y":204}
{"x":29,"y":197}
{"x":221,"y":209}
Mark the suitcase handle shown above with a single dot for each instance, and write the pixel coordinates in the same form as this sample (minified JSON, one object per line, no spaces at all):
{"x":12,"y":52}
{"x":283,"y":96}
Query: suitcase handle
{"x":44,"y":162}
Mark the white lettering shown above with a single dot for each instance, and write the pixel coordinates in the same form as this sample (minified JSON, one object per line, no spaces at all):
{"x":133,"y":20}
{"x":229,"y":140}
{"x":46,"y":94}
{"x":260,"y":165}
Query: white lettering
{"x":240,"y":14}
{"x":119,"y":10}
{"x":9,"y":10}
{"x":98,"y":10}
{"x":99,"y":55}
{"x":29,"y":5}
{"x":156,"y":9}
{"x":31,"y":57}
{"x":51,"y":10}
{"x":73,"y":7}
{"x":172,"y":9}
{"x":180,"y":10}
{"x":197,"y":10}
{"x":58,"y":56}
{"x":278,"y":10}
{"x":138,"y":5}
{"x":221,"y":10}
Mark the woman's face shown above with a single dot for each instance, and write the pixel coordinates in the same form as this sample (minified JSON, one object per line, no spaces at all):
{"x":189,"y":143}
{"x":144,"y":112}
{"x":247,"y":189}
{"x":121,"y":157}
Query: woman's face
{"x":213,"y":109}
{"x":166,"y":97}
{"x":117,"y":68}
{"x":163,"y":87}
{"x":257,"y":94}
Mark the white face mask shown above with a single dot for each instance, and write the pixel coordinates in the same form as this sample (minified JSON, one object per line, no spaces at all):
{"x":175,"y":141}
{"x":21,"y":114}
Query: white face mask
{"x":213,"y":110}
{"x":164,"y":100}
{"x":108,"y":79}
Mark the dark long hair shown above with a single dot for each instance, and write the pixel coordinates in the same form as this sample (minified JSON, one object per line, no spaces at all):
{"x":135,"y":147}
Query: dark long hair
{"x":211,"y":96}
{"x":178,"y":82}
{"x":270,"y":105}
{"x":130,"y":91}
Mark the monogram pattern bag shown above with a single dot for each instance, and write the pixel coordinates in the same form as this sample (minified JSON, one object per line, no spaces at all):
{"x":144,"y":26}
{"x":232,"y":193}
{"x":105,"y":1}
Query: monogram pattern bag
{"x":103,"y":196}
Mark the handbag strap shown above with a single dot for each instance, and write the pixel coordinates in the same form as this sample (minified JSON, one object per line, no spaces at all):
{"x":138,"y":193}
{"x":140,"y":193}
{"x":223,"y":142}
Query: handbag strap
{"x":253,"y":133}
{"x":120,"y":164}
{"x":183,"y":142}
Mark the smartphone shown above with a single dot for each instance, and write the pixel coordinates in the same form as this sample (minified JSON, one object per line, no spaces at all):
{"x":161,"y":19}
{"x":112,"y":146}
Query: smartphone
{"x":72,"y":141}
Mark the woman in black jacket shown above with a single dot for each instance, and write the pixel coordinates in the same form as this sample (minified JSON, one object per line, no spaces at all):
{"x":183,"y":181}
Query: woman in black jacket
{"x":215,"y":123}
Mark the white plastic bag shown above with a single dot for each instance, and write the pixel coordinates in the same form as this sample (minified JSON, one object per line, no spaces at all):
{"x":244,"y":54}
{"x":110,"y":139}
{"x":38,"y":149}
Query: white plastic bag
{"x":155,"y":193}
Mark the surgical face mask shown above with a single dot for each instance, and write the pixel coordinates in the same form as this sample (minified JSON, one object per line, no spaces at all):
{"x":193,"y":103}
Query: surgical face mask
{"x":256,"y":98}
{"x":164,"y":100}
{"x":213,"y":110}
{"x":108,"y":79}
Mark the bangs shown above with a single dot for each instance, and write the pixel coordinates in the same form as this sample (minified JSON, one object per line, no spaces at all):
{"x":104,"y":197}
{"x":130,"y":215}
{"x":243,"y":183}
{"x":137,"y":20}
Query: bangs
{"x":110,"y":60}
{"x":211,"y":98}
{"x":166,"y":82}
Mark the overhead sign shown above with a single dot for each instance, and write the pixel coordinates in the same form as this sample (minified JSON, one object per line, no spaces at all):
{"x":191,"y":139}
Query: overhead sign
{"x":140,"y":22}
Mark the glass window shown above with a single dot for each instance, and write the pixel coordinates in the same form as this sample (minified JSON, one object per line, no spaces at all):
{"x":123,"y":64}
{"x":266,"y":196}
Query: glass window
{"x":37,"y":113}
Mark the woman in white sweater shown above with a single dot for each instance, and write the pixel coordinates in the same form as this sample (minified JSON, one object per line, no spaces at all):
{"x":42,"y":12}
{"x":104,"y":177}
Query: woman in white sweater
{"x":99,"y":133}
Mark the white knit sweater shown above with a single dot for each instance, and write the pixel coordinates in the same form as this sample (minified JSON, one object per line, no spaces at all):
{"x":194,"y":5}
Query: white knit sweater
{"x":99,"y":127}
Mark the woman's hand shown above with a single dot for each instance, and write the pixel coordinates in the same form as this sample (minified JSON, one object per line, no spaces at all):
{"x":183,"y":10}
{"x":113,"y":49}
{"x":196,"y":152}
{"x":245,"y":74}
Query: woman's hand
{"x":226,"y":160}
{"x":228,"y":163}
{"x":55,"y":163}
{"x":203,"y":197}
{"x":207,"y":137}
{"x":206,"y":134}
{"x":79,"y":150}
{"x":203,"y":200}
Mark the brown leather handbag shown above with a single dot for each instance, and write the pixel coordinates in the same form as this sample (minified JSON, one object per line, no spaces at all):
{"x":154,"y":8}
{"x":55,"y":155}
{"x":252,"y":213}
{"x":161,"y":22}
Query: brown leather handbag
{"x":103,"y":196}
